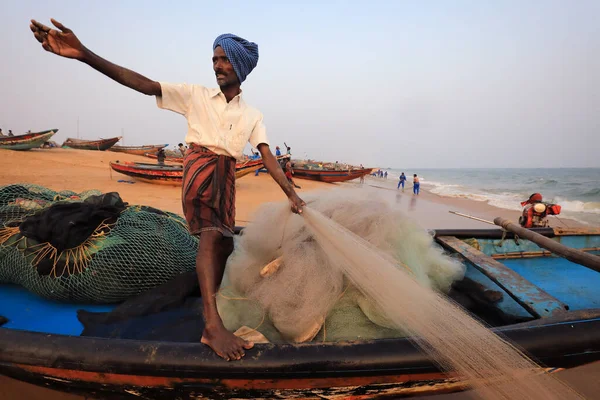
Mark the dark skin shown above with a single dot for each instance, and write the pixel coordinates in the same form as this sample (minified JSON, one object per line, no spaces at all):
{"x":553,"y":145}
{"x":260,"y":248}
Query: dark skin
{"x":213,"y":248}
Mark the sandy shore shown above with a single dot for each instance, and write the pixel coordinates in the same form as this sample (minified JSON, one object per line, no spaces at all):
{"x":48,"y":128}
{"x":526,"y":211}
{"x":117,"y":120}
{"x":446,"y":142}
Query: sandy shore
{"x":80,"y":170}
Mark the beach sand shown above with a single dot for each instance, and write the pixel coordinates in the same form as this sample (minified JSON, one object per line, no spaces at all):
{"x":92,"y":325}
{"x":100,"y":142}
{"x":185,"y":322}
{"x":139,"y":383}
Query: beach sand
{"x":80,"y":170}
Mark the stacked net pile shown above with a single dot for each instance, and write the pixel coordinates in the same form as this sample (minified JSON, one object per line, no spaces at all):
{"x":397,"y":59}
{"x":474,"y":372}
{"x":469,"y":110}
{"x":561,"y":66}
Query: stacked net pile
{"x":134,"y":249}
{"x":305,"y":298}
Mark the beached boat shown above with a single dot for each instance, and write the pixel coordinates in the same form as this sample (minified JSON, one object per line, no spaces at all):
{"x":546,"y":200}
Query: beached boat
{"x":151,"y":173}
{"x":26,"y":141}
{"x":330,"y":175}
{"x":137,"y":150}
{"x":546,"y":305}
{"x":172,"y":174}
{"x":101,"y":144}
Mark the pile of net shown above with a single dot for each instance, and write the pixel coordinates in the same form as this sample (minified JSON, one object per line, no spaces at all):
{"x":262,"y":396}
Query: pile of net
{"x":299,"y":296}
{"x":88,"y":247}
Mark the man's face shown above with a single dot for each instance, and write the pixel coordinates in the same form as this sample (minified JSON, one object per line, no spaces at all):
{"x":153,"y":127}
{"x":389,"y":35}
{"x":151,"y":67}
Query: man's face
{"x":224,"y":71}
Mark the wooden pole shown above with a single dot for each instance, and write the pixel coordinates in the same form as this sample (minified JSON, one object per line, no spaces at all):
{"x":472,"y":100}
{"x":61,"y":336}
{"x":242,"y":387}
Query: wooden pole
{"x":471,"y":217}
{"x":577,"y":256}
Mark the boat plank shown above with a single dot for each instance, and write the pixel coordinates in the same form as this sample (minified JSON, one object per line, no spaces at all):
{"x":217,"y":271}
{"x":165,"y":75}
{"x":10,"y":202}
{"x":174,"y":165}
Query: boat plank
{"x":532,"y":298}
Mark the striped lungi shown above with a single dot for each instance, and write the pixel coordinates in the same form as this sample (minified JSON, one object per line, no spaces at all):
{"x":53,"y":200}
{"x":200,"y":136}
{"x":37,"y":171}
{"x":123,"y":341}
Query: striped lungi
{"x":208,"y":193}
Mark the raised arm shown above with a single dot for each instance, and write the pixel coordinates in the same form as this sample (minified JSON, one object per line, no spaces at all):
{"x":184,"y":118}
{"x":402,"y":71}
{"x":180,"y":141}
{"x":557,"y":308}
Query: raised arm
{"x":271,"y":164}
{"x":64,"y":43}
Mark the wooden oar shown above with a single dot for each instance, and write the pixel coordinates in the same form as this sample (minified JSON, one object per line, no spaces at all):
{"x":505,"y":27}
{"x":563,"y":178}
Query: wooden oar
{"x":577,"y":256}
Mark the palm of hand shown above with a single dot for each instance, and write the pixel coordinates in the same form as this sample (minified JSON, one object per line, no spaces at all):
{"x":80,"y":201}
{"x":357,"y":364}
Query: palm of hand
{"x":64,"y":44}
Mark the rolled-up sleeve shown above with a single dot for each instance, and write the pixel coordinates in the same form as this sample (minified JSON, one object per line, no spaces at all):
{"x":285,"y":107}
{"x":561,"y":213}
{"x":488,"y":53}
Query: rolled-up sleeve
{"x":259,"y":134}
{"x":175,"y":97}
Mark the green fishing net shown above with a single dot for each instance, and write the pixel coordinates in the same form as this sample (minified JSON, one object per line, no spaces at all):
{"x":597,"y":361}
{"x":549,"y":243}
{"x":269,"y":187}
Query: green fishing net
{"x":143,"y":248}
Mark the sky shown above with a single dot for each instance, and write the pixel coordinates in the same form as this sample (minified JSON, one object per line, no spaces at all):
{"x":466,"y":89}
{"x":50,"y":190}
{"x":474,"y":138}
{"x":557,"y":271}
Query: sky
{"x":430,"y":84}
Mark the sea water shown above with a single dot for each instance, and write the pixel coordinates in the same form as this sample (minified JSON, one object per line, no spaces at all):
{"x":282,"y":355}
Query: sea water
{"x":577,"y":190}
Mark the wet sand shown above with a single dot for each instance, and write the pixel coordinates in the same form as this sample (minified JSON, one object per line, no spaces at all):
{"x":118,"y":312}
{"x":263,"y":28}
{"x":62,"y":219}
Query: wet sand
{"x":80,"y":170}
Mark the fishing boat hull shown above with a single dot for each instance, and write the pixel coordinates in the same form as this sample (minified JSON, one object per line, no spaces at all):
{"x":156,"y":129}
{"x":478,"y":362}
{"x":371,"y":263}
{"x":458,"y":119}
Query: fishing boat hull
{"x":137,"y":150}
{"x":330,"y":176}
{"x":150,"y":173}
{"x":27,"y":141}
{"x":101,"y":145}
{"x":557,"y":301}
{"x":362,"y":370}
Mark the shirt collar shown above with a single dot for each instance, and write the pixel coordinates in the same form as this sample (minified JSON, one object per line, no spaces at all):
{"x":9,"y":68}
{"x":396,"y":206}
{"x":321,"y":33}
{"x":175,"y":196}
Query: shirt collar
{"x":214,"y":92}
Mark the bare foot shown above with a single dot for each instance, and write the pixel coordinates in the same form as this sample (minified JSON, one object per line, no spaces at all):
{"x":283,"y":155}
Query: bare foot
{"x":225,"y":343}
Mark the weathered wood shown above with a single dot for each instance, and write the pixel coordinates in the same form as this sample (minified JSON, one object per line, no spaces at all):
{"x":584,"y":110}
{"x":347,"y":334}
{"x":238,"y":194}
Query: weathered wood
{"x":577,"y":256}
{"x":576,"y":231}
{"x":532,"y":254}
{"x":535,"y":300}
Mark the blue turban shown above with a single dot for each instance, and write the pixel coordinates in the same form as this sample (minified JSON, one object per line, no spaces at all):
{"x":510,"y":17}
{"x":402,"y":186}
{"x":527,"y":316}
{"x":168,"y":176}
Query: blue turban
{"x":242,"y":54}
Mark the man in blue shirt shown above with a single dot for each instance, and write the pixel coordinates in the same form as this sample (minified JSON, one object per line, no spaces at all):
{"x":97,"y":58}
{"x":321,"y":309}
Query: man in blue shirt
{"x":277,"y":151}
{"x":402,"y":180}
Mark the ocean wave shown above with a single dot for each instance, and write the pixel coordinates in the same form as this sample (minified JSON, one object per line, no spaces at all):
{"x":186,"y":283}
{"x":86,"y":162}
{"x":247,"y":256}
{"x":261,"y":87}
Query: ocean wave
{"x":595,"y":192}
{"x":578,"y":206}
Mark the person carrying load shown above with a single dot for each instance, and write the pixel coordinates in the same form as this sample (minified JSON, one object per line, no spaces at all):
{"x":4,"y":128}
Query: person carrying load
{"x":535,"y":214}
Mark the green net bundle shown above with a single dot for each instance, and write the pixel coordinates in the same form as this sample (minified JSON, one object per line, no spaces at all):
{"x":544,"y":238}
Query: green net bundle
{"x":139,"y":249}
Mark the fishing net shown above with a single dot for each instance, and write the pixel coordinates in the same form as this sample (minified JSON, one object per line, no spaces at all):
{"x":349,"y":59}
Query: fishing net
{"x":306,"y":298}
{"x":139,"y":248}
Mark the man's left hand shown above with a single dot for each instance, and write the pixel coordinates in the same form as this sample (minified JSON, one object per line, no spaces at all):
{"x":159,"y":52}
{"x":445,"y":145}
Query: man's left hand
{"x":297,"y":203}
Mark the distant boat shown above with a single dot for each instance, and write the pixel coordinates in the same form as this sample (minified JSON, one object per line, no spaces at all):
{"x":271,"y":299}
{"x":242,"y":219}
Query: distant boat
{"x":330,"y":175}
{"x":138,"y":150}
{"x":101,"y":144}
{"x":171,"y":174}
{"x":27,"y":141}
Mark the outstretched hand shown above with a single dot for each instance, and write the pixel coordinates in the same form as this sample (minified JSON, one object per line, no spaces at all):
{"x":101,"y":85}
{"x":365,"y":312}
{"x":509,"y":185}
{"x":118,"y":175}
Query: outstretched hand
{"x":63,"y":43}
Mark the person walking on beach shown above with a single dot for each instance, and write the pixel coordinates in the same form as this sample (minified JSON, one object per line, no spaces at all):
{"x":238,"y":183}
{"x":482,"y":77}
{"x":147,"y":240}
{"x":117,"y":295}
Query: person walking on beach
{"x":289,"y":171}
{"x":208,"y":190}
{"x":401,"y":181}
{"x":416,"y":184}
{"x":161,"y":156}
{"x":182,"y":149}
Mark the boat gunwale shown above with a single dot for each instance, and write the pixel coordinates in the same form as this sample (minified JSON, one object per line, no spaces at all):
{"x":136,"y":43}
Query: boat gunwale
{"x":343,"y":359}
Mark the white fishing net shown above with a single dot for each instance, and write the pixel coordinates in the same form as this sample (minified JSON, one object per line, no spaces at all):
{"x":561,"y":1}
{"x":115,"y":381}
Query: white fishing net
{"x":306,"y":296}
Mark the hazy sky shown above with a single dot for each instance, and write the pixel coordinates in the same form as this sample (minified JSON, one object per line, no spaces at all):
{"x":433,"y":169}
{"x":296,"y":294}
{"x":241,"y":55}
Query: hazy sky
{"x":398,"y":83}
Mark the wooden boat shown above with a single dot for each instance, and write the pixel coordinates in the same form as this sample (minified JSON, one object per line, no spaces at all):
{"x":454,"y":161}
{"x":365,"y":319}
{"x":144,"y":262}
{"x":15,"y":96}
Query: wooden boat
{"x":151,"y":173}
{"x":101,"y":144}
{"x":137,"y":150}
{"x":330,"y":175}
{"x":555,"y":303}
{"x":172,"y":174}
{"x":26,"y":141}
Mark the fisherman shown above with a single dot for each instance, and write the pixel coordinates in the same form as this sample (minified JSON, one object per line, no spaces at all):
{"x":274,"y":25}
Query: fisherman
{"x":401,"y":181}
{"x":416,"y":184}
{"x":10,"y":133}
{"x":208,"y":190}
{"x":289,"y":151}
{"x":277,"y":151}
{"x":535,"y":212}
{"x":161,"y":156}
{"x":1,"y":133}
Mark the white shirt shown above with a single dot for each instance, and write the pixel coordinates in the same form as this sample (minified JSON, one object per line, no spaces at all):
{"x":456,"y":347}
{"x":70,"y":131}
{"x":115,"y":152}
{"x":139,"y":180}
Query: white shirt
{"x":221,"y":127}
